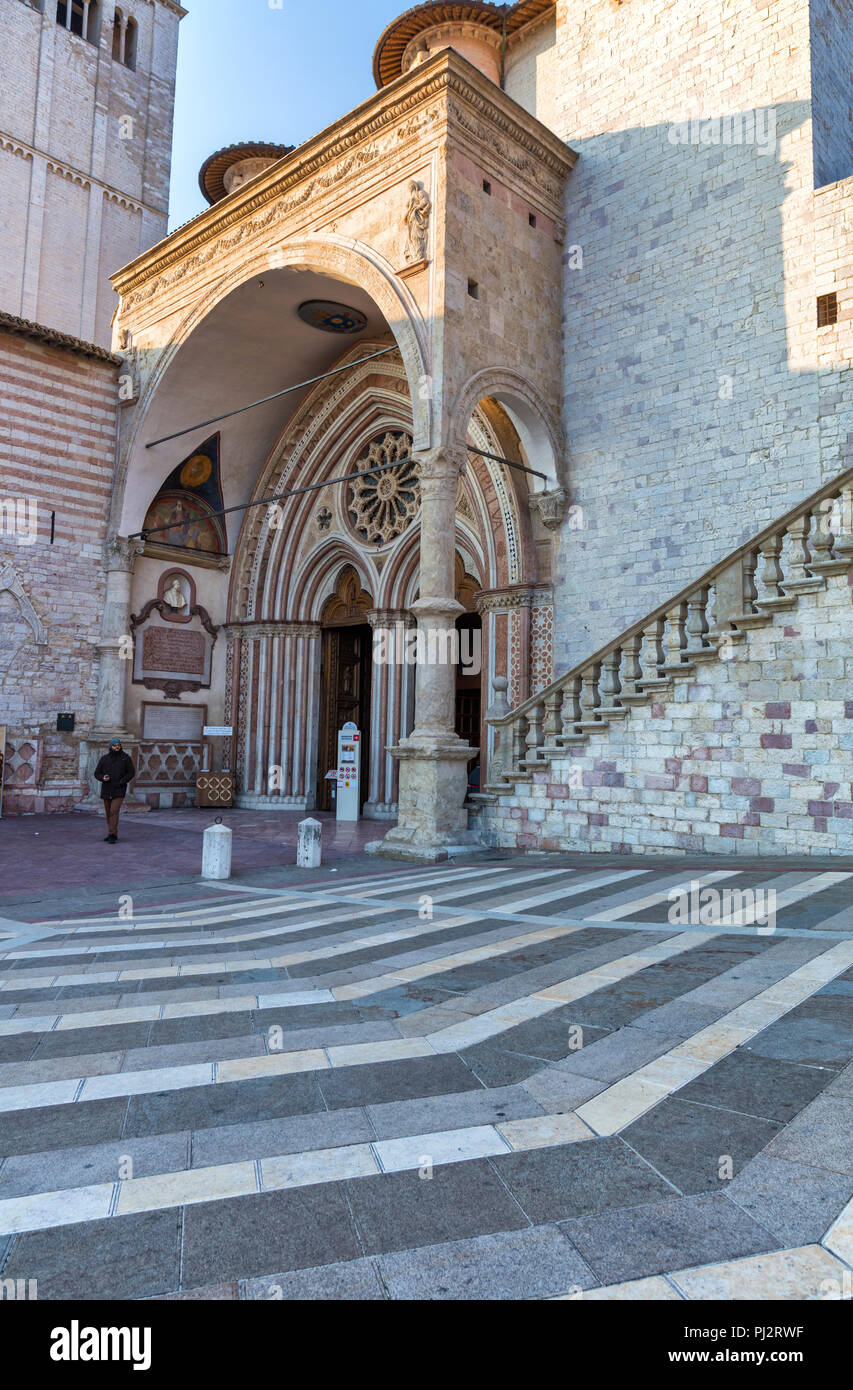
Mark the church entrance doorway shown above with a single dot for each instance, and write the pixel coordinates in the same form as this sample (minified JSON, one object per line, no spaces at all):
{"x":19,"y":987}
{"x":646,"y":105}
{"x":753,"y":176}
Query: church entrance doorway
{"x":345,"y":680}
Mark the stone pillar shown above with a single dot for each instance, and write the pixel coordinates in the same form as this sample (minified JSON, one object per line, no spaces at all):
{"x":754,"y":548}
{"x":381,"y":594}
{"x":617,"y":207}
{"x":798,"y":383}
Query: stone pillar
{"x":388,"y":713}
{"x":115,"y":645}
{"x":433,"y":760}
{"x":115,"y":648}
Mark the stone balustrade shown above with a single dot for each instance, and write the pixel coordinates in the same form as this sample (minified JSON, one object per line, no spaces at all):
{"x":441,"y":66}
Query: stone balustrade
{"x":702,"y":623}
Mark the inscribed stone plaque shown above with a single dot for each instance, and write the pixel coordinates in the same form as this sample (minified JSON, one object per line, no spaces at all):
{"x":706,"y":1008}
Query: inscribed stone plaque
{"x":172,"y":656}
{"x":173,"y":723}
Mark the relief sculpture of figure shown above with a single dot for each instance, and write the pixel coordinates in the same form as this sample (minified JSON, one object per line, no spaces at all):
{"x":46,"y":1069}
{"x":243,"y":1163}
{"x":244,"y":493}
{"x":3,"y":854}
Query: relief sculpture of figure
{"x":417,"y":221}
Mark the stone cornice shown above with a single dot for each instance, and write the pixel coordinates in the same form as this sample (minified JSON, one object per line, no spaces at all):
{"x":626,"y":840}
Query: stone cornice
{"x":447,"y":74}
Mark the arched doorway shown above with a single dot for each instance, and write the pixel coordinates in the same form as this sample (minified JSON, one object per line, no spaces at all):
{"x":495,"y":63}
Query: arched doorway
{"x":345,"y":679}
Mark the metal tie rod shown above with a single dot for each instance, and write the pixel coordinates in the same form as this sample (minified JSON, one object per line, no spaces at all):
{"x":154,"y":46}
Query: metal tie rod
{"x":276,"y":396}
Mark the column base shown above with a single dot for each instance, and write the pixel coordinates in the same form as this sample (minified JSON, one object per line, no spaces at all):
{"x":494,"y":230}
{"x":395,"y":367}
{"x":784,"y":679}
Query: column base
{"x":433,"y":821}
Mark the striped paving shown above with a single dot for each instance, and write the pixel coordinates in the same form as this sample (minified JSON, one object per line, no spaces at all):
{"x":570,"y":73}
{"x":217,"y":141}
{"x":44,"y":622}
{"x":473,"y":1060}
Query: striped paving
{"x":522,"y":1077}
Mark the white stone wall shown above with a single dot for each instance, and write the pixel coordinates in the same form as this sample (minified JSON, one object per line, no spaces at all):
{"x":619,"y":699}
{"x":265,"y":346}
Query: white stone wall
{"x":832,"y":77}
{"x":751,"y":756}
{"x":85,"y":148}
{"x":693,"y":370}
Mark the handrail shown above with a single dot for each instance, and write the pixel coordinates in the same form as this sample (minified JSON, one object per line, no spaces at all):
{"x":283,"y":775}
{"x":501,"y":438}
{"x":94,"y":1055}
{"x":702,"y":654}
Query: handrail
{"x":704,"y":581}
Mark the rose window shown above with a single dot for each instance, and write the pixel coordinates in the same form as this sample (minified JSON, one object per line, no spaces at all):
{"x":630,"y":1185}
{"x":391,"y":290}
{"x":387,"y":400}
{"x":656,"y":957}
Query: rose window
{"x":383,"y":504}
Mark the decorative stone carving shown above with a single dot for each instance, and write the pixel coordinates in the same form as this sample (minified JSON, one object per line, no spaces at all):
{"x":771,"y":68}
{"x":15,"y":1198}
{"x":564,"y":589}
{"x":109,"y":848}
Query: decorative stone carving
{"x":169,"y":658}
{"x":383,"y":505}
{"x":417,"y":221}
{"x":10,"y":581}
{"x":550,"y":506}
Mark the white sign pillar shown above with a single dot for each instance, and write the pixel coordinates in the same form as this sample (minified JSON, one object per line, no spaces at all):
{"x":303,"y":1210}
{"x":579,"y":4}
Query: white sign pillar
{"x":349,"y":773}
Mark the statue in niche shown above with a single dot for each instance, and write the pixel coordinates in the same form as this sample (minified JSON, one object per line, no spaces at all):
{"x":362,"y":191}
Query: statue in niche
{"x":417,"y":221}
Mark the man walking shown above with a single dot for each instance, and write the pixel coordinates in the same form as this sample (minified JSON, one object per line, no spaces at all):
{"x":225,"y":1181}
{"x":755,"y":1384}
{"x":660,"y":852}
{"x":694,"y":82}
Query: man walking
{"x":115,"y":772}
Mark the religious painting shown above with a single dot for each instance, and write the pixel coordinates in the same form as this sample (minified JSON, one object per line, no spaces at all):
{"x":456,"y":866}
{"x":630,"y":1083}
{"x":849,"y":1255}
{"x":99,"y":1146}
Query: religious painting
{"x":183,"y":514}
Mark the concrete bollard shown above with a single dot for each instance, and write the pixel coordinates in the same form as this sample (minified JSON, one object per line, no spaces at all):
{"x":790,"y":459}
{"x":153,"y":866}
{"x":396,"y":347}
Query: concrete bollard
{"x":216,"y":856}
{"x":309,"y":851}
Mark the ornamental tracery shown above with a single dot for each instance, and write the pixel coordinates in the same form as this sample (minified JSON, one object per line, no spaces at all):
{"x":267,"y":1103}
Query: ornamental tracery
{"x":383,"y":505}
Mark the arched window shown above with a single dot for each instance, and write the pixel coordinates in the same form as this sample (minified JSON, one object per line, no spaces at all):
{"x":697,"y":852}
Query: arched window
{"x":130,"y":39}
{"x":125,"y":36}
{"x":81,"y":17}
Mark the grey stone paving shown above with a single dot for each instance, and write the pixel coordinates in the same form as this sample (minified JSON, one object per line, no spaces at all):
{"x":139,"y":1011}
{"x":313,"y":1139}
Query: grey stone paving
{"x":751,"y":1156}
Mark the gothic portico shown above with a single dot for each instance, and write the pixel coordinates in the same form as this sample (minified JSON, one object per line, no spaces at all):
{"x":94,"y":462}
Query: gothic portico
{"x":426,"y":230}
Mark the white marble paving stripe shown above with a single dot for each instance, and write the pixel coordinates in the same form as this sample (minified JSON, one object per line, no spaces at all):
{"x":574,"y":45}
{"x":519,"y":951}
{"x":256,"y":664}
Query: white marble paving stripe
{"x":449,"y":1039}
{"x":153,"y":1013}
{"x":613,"y":914}
{"x":46,"y":1210}
{"x":787,"y":897}
{"x":839,"y":1237}
{"x":525,"y":876}
{"x":804,"y":1272}
{"x":495,"y":1021}
{"x":344,"y":947}
{"x":212,"y":939}
{"x":612,"y":1110}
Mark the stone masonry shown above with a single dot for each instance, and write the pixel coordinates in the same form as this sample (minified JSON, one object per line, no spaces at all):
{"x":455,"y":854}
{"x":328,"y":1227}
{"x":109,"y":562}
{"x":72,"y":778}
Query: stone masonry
{"x":85,"y":151}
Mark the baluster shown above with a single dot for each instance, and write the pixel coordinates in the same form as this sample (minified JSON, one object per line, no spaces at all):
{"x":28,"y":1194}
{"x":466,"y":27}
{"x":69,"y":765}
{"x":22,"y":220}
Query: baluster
{"x":830,"y":520}
{"x":697,"y":625}
{"x":610,"y":685}
{"x":822,"y":538}
{"x":590,"y":697}
{"x":553,"y":723}
{"x":772,"y":594}
{"x":651,"y":658}
{"x":571,"y":715}
{"x":632,"y":671}
{"x":844,"y":539}
{"x":675,"y":638}
{"x":502,"y":753}
{"x":535,"y":736}
{"x":750,"y":590}
{"x":798,"y":580}
{"x":519,"y":744}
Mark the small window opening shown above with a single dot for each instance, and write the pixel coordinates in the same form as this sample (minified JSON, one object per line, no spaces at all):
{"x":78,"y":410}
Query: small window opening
{"x":473,"y":289}
{"x":487,"y":187}
{"x":531,"y":218}
{"x":827,"y":310}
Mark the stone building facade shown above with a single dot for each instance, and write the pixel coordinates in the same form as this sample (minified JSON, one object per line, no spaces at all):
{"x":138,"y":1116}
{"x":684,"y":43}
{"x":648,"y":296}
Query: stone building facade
{"x":86,"y":108}
{"x":591,"y":265}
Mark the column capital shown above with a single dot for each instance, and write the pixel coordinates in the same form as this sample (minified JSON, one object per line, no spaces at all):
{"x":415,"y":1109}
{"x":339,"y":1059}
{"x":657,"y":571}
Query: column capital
{"x":442,"y":464}
{"x":390,"y":617}
{"x":120,"y":554}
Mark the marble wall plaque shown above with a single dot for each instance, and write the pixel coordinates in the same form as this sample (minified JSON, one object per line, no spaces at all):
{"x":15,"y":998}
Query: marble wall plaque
{"x":172,"y":657}
{"x":173,"y":723}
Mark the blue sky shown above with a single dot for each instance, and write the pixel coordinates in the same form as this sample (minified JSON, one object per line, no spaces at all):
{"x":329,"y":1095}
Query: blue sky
{"x":247,"y":71}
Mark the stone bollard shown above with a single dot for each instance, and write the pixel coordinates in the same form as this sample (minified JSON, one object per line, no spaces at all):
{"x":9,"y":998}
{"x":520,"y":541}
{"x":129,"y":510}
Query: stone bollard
{"x":216,"y":856}
{"x":309,"y":852}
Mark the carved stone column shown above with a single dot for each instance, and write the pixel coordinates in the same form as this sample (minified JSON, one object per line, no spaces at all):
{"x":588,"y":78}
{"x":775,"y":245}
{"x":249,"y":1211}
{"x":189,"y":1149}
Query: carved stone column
{"x":433,"y":760}
{"x":115,"y":646}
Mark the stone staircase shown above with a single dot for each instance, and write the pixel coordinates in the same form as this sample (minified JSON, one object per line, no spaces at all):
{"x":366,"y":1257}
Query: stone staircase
{"x":721,"y":722}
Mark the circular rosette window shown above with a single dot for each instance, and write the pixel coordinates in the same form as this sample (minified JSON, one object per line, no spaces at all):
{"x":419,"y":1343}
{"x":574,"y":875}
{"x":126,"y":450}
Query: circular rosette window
{"x":382,"y":505}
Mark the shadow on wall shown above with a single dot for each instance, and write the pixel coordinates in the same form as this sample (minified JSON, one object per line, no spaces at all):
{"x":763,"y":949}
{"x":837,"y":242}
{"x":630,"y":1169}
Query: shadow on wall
{"x":695,"y":408}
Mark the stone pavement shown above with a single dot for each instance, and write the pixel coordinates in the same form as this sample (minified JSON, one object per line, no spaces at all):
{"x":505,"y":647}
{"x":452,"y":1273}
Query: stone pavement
{"x":66,"y":855}
{"x":496,"y":1080}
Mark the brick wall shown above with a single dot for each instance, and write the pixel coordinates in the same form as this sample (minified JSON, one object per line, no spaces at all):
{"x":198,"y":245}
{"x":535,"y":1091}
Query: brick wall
{"x":57,"y":433}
